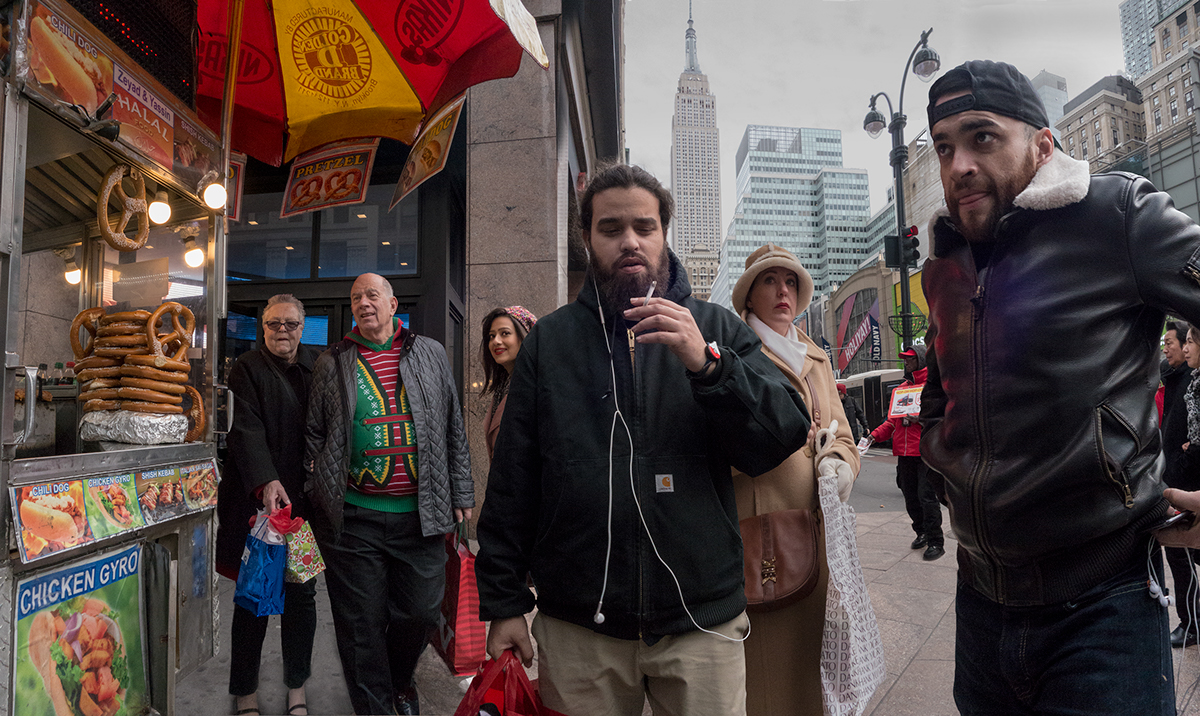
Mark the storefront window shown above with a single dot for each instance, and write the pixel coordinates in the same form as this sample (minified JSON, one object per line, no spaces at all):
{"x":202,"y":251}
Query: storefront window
{"x":368,"y":238}
{"x":263,"y":246}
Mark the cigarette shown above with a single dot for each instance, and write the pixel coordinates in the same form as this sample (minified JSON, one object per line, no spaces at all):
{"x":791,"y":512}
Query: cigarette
{"x":650,"y":292}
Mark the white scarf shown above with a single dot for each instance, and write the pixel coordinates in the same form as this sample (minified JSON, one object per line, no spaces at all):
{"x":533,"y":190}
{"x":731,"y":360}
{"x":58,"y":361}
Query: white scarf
{"x":790,"y":349}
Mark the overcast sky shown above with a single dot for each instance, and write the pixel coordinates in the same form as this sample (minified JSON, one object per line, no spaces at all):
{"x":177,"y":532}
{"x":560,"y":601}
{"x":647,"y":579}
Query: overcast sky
{"x":816,"y":63}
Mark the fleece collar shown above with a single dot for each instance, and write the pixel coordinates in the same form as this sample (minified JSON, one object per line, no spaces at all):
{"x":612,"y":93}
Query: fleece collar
{"x":1060,"y":182}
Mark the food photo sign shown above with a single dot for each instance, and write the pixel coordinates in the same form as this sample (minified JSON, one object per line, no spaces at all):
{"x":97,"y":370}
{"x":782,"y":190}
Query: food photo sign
{"x":335,"y":174}
{"x":112,"y":505}
{"x":50,"y":517}
{"x":78,"y":639}
{"x":906,"y":402}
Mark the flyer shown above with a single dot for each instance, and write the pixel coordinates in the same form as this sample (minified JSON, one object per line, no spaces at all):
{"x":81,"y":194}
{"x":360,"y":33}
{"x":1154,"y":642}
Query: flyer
{"x":78,"y":647}
{"x":199,"y":484}
{"x":335,"y":174}
{"x":429,"y":152}
{"x":906,"y":402}
{"x":160,"y":494}
{"x":112,"y":505}
{"x":50,"y":518}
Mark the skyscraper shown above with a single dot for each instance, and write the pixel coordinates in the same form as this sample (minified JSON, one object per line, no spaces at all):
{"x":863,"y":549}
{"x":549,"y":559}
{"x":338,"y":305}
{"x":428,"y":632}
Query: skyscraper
{"x":793,"y":191}
{"x":1137,"y":22}
{"x":695,"y":158}
{"x":1053,"y":91}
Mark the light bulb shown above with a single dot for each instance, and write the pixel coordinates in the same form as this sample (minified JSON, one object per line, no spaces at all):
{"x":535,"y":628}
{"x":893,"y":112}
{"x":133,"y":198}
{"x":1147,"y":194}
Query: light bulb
{"x":160,"y":210}
{"x":214,"y":195}
{"x":194,"y":255}
{"x":73,"y":274}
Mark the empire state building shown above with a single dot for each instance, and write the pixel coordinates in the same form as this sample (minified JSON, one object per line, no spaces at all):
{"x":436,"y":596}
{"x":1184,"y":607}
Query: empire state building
{"x":695,"y":165}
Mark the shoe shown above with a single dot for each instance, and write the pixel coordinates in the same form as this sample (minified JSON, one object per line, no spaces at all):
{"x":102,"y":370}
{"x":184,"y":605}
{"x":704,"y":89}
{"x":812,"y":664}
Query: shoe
{"x":406,"y":703}
{"x":919,"y":542}
{"x":932,"y":552}
{"x":1184,"y":637}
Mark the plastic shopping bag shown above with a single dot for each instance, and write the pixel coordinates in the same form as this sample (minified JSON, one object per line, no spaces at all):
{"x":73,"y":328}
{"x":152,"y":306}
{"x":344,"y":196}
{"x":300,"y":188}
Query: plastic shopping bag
{"x":501,"y":688}
{"x":461,"y":638}
{"x":260,"y":577}
{"x":851,"y":651}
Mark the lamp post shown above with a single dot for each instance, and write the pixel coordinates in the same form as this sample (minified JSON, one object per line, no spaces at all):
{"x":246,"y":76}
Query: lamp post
{"x":924,"y":62}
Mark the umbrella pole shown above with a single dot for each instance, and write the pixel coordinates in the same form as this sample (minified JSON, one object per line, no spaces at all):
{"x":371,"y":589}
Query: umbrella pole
{"x":234,"y":37}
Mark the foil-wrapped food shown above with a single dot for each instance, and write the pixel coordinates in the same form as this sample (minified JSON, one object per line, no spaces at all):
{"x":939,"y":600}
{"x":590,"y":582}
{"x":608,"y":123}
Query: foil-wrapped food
{"x":123,"y":426}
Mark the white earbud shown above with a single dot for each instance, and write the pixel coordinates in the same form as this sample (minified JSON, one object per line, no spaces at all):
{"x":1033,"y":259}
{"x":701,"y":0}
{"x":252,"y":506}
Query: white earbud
{"x":1156,"y":592}
{"x":599,"y":618}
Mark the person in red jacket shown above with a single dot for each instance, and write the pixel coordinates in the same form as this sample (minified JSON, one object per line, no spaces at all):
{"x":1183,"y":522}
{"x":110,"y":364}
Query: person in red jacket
{"x":911,"y":473}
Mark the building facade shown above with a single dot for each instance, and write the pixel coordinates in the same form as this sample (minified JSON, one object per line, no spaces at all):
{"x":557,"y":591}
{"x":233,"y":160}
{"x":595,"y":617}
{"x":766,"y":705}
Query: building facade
{"x":1138,"y":18}
{"x":793,"y":192}
{"x":695,"y":157}
{"x":701,"y":265}
{"x":1053,"y":91}
{"x":923,"y":193}
{"x":1169,"y":94}
{"x":1104,"y":123}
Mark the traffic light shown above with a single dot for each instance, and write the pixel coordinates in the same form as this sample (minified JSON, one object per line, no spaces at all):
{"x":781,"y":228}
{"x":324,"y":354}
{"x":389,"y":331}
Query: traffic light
{"x":891,"y":251}
{"x":908,"y":246}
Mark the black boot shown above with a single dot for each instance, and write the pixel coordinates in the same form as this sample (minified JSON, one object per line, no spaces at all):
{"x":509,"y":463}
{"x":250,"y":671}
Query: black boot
{"x":406,"y":703}
{"x":919,"y":542}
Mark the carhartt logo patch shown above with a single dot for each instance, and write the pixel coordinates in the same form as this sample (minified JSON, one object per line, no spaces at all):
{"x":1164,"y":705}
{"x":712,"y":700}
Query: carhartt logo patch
{"x":664,"y":483}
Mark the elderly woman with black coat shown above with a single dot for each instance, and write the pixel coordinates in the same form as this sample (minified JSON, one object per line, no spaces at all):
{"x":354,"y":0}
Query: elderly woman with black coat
{"x":263,"y":469}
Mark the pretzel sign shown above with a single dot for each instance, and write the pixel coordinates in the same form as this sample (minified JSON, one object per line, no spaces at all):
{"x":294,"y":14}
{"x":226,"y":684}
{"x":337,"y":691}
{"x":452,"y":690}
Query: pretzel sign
{"x":342,"y":184}
{"x":306,"y":192}
{"x":130,"y":206}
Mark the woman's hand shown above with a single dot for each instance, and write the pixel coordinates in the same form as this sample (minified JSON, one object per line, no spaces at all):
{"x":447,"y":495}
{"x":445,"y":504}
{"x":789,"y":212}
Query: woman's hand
{"x":274,"y":496}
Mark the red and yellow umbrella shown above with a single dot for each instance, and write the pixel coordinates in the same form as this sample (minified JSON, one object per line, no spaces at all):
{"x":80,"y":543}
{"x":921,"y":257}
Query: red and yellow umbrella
{"x":315,"y":71}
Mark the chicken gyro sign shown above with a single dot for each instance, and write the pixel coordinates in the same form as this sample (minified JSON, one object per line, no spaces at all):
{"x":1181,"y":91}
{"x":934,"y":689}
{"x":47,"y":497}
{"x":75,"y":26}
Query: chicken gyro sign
{"x":79,"y":639}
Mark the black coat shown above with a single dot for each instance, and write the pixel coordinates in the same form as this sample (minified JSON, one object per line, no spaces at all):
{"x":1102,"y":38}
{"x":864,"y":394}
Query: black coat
{"x":1182,"y":469}
{"x":266,"y":443}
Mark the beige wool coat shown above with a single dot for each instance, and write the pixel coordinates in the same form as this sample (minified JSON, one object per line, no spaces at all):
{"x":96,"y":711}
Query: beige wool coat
{"x":783,"y":651}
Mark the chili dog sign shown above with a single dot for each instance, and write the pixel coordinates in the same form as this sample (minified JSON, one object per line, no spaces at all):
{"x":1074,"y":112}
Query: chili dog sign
{"x":335,"y":174}
{"x":429,"y":153}
{"x":78,"y":639}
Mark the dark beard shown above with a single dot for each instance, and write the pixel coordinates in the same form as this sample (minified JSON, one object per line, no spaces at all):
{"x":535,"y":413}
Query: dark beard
{"x":1006,"y":194}
{"x":615,"y":288}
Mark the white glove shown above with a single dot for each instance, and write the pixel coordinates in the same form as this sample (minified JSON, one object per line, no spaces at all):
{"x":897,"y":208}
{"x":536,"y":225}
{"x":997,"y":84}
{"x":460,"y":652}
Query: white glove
{"x":825,"y":440}
{"x":833,"y":466}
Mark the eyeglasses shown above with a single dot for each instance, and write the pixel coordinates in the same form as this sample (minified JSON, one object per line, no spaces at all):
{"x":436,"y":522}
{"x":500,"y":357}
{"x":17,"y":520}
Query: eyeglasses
{"x":282,"y":325}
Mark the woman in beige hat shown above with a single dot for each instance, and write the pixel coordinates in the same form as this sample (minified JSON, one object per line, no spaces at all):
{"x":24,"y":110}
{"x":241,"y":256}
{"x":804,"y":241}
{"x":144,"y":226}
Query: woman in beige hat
{"x":783,"y":651}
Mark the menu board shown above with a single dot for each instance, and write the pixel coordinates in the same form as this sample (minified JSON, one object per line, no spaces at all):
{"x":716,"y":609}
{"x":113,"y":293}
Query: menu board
{"x":78,"y":639}
{"x":56,"y":516}
{"x":147,"y":123}
{"x":65,"y":63}
{"x":112,"y":506}
{"x":51,"y":518}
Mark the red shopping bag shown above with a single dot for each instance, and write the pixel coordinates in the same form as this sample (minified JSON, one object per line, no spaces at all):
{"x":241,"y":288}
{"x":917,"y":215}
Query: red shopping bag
{"x":461,"y":638}
{"x":501,"y":688}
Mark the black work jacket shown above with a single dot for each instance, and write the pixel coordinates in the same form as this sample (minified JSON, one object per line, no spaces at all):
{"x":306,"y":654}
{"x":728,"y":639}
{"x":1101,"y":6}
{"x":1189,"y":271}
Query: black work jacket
{"x":266,"y":442}
{"x":548,"y":495}
{"x":1039,"y":406}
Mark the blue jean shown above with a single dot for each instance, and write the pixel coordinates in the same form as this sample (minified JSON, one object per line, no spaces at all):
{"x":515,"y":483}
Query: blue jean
{"x":1105,"y":653}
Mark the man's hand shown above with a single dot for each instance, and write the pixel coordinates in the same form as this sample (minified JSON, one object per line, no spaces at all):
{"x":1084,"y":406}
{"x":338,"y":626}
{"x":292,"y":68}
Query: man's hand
{"x":274,"y":496}
{"x":510,"y":633}
{"x":1179,"y":536}
{"x":674,"y":326}
{"x":462,"y":513}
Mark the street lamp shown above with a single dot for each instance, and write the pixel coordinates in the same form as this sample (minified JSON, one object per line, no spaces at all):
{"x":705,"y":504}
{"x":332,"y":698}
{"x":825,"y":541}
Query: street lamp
{"x":924,"y":62}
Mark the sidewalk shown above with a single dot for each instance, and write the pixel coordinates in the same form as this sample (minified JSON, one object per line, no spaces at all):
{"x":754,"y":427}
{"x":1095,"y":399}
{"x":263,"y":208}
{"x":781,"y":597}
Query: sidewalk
{"x":913,"y":600}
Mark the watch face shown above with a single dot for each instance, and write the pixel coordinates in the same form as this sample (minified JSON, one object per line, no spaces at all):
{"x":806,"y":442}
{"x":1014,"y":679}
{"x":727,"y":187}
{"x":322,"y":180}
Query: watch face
{"x":714,"y":351}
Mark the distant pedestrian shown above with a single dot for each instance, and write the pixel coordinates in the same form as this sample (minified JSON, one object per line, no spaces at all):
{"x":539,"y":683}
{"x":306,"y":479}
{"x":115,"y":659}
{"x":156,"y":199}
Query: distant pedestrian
{"x":504,"y":329}
{"x":854,"y":413}
{"x":783,"y":651}
{"x":912,"y":475}
{"x":1047,"y":288}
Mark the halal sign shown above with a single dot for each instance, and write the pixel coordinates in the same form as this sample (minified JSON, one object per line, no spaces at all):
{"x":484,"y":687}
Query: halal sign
{"x":331,"y":56}
{"x":423,"y":25}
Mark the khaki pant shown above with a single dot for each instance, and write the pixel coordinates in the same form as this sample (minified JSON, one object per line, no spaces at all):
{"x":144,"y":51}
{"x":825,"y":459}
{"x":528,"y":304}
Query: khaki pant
{"x":582,"y":673}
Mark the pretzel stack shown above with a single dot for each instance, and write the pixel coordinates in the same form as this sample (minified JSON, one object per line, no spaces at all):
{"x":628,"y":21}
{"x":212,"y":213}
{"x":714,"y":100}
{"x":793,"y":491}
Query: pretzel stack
{"x":126,"y":367}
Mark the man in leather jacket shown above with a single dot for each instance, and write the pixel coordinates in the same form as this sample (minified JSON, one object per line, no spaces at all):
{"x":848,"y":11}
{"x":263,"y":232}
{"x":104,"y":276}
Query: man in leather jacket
{"x":1047,"y":293}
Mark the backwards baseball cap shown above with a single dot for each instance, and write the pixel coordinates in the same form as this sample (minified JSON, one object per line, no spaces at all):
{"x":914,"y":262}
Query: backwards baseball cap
{"x":992,"y":87}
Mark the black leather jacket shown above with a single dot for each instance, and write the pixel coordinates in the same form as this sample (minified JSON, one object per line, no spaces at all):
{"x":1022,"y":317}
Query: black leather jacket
{"x":1039,"y":406}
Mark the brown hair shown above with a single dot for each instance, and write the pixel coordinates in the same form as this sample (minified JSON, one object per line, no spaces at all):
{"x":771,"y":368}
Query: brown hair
{"x":624,"y":176}
{"x":495,"y":378}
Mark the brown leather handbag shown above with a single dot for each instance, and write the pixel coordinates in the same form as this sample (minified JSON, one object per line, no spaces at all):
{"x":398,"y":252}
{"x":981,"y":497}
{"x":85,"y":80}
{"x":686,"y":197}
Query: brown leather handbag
{"x":780,"y":548}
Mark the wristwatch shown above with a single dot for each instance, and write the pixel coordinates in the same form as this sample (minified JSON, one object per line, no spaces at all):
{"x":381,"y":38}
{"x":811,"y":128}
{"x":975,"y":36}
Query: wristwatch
{"x":712,"y":354}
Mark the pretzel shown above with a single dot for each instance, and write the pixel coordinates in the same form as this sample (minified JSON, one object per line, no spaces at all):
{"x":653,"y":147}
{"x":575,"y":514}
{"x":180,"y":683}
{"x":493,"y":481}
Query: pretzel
{"x":197,"y":416}
{"x":182,"y":333}
{"x":139,"y":406}
{"x":134,"y":339}
{"x":94,"y":405}
{"x":130,"y":207}
{"x":98,"y":383}
{"x":149,"y":396}
{"x":99,"y":394}
{"x":150,"y":373}
{"x":85,"y":319}
{"x":96,"y":362}
{"x":342,"y":184}
{"x":91,"y":374}
{"x":121,"y":351}
{"x":306,"y":192}
{"x":125,"y":317}
{"x":122,"y":328}
{"x":160,"y":386}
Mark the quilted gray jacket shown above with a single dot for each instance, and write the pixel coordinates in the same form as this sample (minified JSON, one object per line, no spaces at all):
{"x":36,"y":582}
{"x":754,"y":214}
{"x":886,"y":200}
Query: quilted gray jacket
{"x":444,"y":468}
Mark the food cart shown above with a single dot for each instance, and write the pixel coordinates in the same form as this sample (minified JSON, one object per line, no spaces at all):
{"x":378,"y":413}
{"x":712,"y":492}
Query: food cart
{"x":107,"y":595}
